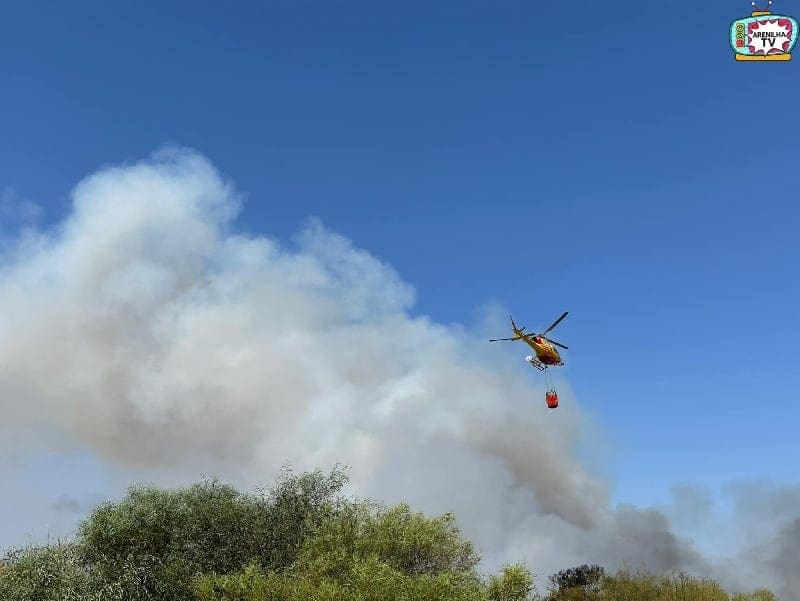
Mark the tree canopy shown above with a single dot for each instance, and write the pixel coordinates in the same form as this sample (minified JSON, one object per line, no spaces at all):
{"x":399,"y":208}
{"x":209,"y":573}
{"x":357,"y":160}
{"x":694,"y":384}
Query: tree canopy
{"x":299,"y":540}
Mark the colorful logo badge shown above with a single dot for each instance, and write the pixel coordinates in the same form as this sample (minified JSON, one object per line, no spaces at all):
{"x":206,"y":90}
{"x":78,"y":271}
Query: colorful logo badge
{"x":763,"y":36}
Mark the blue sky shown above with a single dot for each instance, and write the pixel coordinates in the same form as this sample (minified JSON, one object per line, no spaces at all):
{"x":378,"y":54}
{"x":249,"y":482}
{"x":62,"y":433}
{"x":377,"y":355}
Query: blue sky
{"x":621,"y":166}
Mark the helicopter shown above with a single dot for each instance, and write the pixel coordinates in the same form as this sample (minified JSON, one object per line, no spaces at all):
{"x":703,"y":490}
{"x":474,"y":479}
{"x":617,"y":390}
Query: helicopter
{"x":546,"y":352}
{"x":545,"y":348}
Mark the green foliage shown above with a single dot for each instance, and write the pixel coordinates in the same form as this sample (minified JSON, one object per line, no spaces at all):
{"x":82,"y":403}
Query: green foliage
{"x":296,"y":507}
{"x":586,"y":578}
{"x":56,"y":573}
{"x":43,"y":574}
{"x":371,"y":553}
{"x":515,"y":584}
{"x":367,"y":580}
{"x":249,"y":585}
{"x":662,"y":588}
{"x":171,"y":536}
{"x":642,"y":586}
{"x":405,"y":540}
{"x":298,"y":541}
{"x":761,"y":594}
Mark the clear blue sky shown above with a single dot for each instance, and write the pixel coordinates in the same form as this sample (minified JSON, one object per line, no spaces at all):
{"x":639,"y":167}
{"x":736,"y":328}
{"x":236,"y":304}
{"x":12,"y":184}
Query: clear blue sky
{"x":615,"y":162}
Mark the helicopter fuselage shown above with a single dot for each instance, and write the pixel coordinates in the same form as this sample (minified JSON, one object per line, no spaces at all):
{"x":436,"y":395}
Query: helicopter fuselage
{"x":545,"y":352}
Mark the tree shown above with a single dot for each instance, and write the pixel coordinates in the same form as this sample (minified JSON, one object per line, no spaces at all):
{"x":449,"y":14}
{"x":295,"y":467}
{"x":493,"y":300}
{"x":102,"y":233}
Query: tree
{"x":297,"y":541}
{"x":368,"y":552}
{"x":514,"y":584}
{"x":584,"y":577}
{"x":171,"y":536}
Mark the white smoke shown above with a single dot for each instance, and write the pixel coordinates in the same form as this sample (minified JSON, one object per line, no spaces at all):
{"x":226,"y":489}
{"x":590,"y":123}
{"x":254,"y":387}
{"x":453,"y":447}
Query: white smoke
{"x":146,"y":329}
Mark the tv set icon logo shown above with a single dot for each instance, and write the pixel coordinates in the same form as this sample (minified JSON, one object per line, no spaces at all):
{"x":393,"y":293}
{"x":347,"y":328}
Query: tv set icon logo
{"x":763,"y":36}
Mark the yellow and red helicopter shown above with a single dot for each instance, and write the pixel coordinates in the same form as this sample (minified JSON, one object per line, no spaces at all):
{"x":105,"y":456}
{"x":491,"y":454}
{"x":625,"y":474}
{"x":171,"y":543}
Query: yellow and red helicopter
{"x":545,"y":349}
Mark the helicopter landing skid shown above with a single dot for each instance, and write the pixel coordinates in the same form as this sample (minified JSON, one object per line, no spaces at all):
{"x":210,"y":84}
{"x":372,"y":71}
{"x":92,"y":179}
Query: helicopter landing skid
{"x":534,"y":361}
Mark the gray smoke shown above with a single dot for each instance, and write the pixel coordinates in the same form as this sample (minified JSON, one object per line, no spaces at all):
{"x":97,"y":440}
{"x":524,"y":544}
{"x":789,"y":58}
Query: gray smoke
{"x":146,"y":329}
{"x":764,"y":531}
{"x":783,"y":559}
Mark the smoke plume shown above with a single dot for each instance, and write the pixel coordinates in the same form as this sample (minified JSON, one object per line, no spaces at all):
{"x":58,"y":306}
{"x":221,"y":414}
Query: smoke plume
{"x":147,"y":329}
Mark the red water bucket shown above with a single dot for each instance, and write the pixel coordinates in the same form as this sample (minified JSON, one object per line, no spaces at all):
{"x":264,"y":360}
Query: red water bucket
{"x":552,"y":399}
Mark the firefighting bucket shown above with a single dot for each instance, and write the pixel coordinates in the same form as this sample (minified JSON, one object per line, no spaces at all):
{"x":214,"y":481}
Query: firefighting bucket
{"x":551,"y":397}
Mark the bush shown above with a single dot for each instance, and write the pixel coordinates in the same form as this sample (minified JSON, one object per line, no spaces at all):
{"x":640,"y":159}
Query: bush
{"x":371,"y":553}
{"x":407,"y":541}
{"x":55,"y":573}
{"x":298,"y":541}
{"x":43,"y":574}
{"x":587,"y":583}
{"x":584,"y":578}
{"x":171,"y":536}
{"x":662,"y":588}
{"x":515,"y":583}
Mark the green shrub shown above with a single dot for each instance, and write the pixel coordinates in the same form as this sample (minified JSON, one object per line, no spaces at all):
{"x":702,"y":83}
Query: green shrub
{"x":514,"y":584}
{"x":43,"y":574}
{"x":572,"y":585}
{"x":55,"y":573}
{"x":370,"y":553}
{"x":397,"y":536}
{"x":298,"y":541}
{"x":171,"y":536}
{"x":576,"y":581}
{"x":761,"y":594}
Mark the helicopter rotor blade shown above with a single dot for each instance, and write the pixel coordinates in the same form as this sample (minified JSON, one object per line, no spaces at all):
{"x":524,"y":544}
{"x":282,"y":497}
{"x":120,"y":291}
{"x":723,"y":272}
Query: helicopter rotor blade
{"x":504,"y":339}
{"x":556,"y":343}
{"x":556,"y":322}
